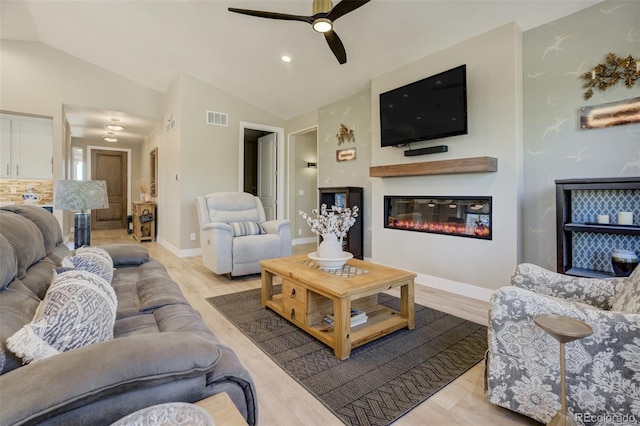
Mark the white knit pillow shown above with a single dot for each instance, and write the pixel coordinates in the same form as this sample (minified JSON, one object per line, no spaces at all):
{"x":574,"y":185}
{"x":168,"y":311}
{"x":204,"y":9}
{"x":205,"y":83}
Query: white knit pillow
{"x":91,"y":259}
{"x":78,"y":309}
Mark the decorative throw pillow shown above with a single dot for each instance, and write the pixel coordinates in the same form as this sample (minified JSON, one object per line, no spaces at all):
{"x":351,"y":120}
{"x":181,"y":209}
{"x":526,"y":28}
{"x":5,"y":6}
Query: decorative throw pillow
{"x":629,"y":298}
{"x":91,"y":259}
{"x":76,"y":311}
{"x":246,"y":228}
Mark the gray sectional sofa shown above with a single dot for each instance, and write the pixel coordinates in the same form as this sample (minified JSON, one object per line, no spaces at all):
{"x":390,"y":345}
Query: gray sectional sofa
{"x":161,"y":350}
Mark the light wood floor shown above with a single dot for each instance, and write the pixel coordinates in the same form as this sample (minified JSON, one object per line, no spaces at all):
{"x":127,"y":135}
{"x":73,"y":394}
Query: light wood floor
{"x":282,"y":401}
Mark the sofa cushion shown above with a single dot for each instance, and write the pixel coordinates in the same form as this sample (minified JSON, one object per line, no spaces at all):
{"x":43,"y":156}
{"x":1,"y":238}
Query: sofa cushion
{"x":241,"y":229}
{"x":126,"y":254}
{"x":39,"y":276}
{"x":8,"y":263}
{"x":44,"y":220}
{"x":78,"y":309}
{"x":628,"y":299}
{"x":25,"y":238}
{"x":91,"y":259}
{"x":144,"y":289}
{"x":17,"y":307}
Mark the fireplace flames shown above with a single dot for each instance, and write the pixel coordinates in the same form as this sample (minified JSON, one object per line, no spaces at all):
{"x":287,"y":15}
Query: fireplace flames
{"x":479,"y":229}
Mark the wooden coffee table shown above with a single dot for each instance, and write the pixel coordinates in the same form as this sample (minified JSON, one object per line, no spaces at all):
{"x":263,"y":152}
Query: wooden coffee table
{"x":309,"y":294}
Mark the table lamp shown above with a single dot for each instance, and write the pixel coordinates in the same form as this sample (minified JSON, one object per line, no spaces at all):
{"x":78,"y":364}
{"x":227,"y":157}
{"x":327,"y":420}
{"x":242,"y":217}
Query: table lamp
{"x":81,"y":195}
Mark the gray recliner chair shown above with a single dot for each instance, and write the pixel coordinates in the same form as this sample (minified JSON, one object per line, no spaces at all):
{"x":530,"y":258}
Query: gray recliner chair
{"x":235,"y":236}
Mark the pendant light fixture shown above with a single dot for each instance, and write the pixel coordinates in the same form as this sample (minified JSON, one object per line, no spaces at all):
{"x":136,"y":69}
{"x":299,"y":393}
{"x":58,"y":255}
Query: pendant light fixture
{"x":110,"y":137}
{"x":115,"y":125}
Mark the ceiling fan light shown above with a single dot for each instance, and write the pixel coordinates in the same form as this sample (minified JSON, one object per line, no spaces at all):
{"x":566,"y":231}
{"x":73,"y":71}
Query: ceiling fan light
{"x":322,"y":25}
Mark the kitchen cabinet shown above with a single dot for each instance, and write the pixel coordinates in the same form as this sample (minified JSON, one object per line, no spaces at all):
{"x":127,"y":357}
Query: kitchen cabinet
{"x":26,"y":147}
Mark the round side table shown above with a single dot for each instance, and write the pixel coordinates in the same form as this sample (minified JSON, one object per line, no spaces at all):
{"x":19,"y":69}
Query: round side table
{"x":564,"y":330}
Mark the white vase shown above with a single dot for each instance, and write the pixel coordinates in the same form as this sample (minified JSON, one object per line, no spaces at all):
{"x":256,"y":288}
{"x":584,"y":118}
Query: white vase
{"x":330,"y":247}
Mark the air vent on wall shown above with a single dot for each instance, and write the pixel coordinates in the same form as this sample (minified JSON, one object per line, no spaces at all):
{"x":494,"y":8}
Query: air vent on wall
{"x":217,"y":118}
{"x":171,"y":124}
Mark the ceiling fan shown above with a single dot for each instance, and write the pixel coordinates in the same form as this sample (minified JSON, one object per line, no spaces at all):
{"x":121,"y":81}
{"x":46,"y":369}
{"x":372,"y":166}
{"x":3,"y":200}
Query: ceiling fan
{"x":321,"y":20}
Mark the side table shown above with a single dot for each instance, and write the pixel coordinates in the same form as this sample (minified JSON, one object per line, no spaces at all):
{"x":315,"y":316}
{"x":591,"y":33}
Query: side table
{"x":223,"y":410}
{"x":563,"y":329}
{"x":144,"y":231}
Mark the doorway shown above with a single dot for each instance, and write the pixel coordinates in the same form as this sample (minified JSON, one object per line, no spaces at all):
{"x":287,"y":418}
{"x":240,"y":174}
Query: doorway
{"x":112,"y":165}
{"x":302,"y":182}
{"x":259,"y":167}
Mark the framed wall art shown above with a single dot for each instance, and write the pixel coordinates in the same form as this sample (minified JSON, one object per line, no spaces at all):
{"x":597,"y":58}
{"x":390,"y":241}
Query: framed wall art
{"x":346,"y":154}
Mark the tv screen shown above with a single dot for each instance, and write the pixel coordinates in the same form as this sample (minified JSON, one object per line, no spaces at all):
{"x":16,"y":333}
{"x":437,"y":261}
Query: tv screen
{"x":434,"y":107}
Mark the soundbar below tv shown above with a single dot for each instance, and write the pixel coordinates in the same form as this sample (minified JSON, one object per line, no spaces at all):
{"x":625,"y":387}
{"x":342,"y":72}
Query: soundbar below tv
{"x":431,"y":108}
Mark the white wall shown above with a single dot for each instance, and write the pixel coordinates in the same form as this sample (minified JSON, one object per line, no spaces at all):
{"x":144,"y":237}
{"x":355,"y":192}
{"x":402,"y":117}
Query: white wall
{"x":205,"y":157}
{"x":495,"y":120}
{"x":37,"y":79}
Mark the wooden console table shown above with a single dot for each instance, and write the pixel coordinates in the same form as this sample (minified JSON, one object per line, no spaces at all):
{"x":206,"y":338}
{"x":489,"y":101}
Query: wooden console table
{"x":309,"y":294}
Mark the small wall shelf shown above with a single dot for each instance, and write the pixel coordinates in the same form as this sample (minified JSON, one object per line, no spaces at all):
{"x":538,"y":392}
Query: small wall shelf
{"x":584,"y":247}
{"x":441,"y":167}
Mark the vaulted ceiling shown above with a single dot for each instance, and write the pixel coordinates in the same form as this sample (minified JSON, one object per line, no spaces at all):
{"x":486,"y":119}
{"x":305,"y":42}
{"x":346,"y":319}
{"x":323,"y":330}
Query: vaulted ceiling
{"x":150,"y":42}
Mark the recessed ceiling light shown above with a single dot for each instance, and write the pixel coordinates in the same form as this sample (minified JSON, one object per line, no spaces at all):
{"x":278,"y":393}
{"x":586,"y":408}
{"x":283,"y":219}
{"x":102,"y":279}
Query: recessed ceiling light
{"x":286,"y":58}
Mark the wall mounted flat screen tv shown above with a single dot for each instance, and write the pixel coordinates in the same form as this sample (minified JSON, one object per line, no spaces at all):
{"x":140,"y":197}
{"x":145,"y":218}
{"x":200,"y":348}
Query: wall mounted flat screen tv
{"x":431,"y":108}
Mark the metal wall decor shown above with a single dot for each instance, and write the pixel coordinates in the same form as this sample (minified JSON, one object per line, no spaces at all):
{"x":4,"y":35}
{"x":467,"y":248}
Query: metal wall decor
{"x":345,"y":135}
{"x":610,"y":72}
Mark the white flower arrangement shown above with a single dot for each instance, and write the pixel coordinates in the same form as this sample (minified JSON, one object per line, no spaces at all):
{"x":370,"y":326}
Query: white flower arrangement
{"x":336,"y":220}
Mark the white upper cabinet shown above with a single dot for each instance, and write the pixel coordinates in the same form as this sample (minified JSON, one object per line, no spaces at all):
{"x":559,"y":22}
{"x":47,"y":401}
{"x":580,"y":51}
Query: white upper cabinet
{"x":26,"y":147}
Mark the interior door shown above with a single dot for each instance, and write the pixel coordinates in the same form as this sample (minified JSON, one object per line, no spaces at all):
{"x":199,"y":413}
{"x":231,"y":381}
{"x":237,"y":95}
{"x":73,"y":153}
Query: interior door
{"x":110,"y":166}
{"x":267,"y":174}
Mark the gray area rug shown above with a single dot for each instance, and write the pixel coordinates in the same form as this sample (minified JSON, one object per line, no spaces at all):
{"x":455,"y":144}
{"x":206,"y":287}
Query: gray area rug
{"x":382,"y":380}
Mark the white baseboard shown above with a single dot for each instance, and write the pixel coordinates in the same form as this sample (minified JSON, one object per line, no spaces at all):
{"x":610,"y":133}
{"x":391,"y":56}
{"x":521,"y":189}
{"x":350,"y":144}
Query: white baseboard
{"x":176,"y":251}
{"x":307,"y":240}
{"x":450,"y":286}
{"x":455,"y":287}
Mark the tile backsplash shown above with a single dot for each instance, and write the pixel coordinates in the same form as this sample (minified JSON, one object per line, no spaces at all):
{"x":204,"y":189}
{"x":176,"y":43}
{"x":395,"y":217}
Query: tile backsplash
{"x":11,"y":190}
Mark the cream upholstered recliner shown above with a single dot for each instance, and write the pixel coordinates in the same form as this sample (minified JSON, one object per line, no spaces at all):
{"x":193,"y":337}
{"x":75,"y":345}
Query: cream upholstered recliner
{"x":602,"y":371}
{"x":235,"y":236}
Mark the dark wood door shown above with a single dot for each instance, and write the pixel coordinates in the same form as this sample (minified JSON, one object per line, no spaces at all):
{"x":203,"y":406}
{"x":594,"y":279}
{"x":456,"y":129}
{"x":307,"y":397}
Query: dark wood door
{"x":110,"y":166}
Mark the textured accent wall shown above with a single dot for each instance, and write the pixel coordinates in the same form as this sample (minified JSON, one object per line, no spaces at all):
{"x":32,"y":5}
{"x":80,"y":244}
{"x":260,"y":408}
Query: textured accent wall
{"x":355,"y":113}
{"x":42,"y":187}
{"x":555,"y":55}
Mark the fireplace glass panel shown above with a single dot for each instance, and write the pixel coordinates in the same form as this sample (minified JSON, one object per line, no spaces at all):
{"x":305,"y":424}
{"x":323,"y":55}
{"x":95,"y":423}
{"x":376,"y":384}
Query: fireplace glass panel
{"x":460,"y":216}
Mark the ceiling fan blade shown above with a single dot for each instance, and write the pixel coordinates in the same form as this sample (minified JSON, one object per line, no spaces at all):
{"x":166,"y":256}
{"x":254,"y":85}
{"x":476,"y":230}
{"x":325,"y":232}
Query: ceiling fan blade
{"x":344,"y":7}
{"x":272,"y":15}
{"x":336,"y":46}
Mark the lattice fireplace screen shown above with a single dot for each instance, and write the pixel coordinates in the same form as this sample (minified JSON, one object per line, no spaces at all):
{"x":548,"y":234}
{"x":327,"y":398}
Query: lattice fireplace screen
{"x":458,"y":216}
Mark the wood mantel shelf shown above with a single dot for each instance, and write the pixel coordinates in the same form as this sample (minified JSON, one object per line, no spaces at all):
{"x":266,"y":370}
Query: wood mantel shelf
{"x":442,"y":167}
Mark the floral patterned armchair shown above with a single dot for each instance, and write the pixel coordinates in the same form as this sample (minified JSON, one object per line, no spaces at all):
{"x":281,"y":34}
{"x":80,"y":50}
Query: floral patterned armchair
{"x":603,"y":370}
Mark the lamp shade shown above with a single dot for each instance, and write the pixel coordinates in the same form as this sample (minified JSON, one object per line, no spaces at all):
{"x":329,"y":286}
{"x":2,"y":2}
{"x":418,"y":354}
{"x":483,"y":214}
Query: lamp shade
{"x":81,"y":195}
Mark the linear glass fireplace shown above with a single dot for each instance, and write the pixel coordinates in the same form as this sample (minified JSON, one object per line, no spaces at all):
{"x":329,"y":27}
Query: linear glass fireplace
{"x":458,"y":216}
